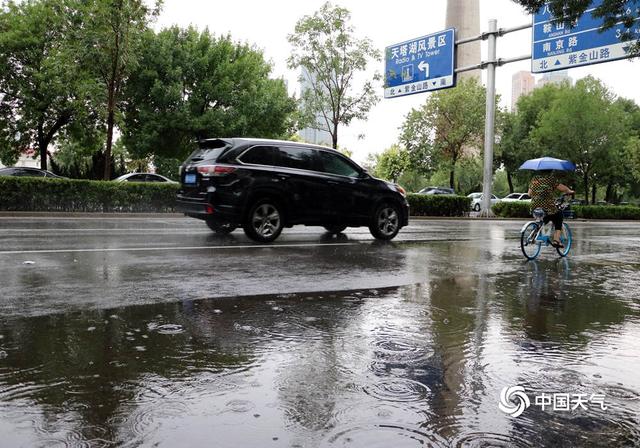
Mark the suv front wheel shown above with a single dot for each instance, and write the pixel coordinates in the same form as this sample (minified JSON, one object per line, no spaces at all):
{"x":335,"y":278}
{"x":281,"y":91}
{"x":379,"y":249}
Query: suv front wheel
{"x":385,"y":222}
{"x":264,"y":221}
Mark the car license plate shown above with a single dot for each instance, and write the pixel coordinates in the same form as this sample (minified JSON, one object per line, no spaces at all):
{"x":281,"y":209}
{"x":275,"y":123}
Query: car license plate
{"x":189,"y":178}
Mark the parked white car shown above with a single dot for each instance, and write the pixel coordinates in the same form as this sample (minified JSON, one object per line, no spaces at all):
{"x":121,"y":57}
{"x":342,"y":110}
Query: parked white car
{"x":476,"y":201}
{"x":144,"y":177}
{"x":517,"y":197}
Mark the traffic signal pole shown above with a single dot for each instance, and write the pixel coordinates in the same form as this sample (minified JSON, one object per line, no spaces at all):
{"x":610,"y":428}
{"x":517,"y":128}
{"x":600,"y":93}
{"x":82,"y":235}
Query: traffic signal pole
{"x":490,"y":111}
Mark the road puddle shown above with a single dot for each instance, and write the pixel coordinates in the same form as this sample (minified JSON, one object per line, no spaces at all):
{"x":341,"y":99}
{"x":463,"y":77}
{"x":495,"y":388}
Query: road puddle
{"x":419,"y":365}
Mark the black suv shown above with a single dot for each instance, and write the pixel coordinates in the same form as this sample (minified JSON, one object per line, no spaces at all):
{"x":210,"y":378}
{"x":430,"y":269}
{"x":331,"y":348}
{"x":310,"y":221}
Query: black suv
{"x":265,"y":185}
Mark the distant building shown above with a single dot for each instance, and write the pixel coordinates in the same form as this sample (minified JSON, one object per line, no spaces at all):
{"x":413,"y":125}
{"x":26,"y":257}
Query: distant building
{"x":27,"y":159}
{"x":559,"y":77}
{"x":315,"y":135}
{"x":464,"y":16}
{"x":522,"y":83}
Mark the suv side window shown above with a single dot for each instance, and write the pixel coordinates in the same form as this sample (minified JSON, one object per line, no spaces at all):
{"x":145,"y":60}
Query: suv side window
{"x":334,"y":164}
{"x":299,"y":158}
{"x":259,"y":155}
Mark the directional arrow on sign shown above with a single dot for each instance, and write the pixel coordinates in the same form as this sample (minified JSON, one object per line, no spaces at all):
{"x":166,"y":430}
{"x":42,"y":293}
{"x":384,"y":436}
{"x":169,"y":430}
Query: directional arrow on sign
{"x":424,"y":67}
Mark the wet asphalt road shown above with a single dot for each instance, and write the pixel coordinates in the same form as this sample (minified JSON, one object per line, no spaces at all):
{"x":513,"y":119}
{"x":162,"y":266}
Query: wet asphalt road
{"x":85,"y":262}
{"x":155,"y":332}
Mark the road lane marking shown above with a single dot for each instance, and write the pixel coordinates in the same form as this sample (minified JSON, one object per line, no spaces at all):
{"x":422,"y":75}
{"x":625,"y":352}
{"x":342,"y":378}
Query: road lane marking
{"x":143,"y":249}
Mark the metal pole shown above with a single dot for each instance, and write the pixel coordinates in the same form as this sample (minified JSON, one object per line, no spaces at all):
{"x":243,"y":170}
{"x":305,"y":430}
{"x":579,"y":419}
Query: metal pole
{"x":489,"y":126}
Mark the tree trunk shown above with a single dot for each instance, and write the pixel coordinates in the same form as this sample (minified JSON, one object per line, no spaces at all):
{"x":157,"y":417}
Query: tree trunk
{"x":510,"y":181}
{"x":42,"y":150}
{"x":593,"y":193}
{"x":585,"y":184}
{"x":609,"y":196}
{"x":334,"y":136}
{"x":110,"y":123}
{"x":452,"y":175}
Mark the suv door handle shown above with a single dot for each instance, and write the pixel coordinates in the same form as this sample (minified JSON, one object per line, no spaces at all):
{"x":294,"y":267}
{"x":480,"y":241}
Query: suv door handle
{"x":333,"y":182}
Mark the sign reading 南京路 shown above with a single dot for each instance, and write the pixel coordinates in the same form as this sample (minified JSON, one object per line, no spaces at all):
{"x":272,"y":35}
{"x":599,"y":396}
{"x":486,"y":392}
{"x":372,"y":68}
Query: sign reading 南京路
{"x":559,"y":46}
{"x":420,"y":65}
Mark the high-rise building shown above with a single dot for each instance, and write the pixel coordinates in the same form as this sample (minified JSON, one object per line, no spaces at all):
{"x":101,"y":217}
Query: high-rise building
{"x":522,"y":83}
{"x":318,"y":134}
{"x":558,"y":77}
{"x":464,"y":16}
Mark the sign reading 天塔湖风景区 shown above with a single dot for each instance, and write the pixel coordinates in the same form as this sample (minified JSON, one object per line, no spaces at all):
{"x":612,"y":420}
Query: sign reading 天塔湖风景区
{"x":558,"y":45}
{"x":420,"y":65}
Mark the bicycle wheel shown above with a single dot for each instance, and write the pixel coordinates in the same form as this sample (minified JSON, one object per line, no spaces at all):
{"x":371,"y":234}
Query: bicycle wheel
{"x":566,"y":239}
{"x":530,"y":247}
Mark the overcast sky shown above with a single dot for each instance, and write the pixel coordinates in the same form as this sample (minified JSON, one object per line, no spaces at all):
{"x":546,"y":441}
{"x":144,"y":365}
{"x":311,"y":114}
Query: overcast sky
{"x":266,"y":25}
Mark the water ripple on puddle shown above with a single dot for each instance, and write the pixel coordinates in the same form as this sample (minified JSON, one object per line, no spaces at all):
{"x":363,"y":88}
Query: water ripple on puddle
{"x":397,"y":390}
{"x":383,"y":435}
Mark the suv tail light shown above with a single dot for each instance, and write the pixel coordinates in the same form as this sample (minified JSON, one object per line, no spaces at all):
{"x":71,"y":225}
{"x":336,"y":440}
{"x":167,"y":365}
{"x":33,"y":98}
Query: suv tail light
{"x":215,"y":170}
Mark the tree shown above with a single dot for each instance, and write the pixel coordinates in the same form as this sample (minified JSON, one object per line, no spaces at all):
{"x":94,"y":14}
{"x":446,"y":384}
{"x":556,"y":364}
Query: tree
{"x":448,"y":126}
{"x":611,"y":11}
{"x":392,"y":163}
{"x":330,"y":56}
{"x":42,"y":89}
{"x":584,"y":124}
{"x":108,"y":43}
{"x":516,"y":143}
{"x":192,"y":85}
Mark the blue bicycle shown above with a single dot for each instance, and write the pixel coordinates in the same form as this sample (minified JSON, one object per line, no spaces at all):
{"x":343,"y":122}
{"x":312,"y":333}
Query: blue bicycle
{"x":535,"y":234}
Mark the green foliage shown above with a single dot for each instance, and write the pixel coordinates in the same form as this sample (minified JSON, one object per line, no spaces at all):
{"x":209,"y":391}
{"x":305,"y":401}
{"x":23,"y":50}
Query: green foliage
{"x":194,"y":85}
{"x":330,"y":56}
{"x":584,"y":125}
{"x":108,"y":42}
{"x":168,"y":167}
{"x":42,"y":87}
{"x":501,"y":184}
{"x":39,"y":194}
{"x":515,"y":129}
{"x":438,"y":205}
{"x":391,"y":163}
{"x":451,"y":121}
{"x":513,"y":209}
{"x":412,"y":181}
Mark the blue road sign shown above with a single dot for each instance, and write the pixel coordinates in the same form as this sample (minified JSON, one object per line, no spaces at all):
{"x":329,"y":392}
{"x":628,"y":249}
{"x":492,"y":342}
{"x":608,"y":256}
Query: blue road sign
{"x":420,"y":65}
{"x":559,"y":46}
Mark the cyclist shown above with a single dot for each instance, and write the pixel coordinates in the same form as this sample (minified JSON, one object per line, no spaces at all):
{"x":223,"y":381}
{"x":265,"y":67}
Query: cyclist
{"x":542,"y":191}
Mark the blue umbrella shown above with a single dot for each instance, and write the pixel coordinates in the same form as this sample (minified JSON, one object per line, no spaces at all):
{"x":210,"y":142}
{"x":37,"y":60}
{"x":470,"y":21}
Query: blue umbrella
{"x":548,"y":163}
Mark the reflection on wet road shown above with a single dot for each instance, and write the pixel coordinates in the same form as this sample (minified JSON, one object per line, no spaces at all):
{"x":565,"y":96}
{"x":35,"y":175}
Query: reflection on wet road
{"x":361,"y":344}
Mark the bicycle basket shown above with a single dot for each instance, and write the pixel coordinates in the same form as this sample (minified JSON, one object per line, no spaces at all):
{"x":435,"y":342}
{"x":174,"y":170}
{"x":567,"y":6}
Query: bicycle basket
{"x":538,"y":213}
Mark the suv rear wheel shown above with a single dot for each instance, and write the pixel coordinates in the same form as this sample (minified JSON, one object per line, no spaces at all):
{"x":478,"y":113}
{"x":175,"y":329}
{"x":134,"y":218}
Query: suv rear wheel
{"x":385,"y":222}
{"x":221,"y":228}
{"x":264,"y":221}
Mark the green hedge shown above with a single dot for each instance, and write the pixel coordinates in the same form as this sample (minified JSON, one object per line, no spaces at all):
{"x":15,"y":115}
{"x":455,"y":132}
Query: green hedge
{"x":438,"y":205}
{"x":607,"y":211}
{"x":36,"y":194}
{"x":512,"y":209}
{"x":522,"y":210}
